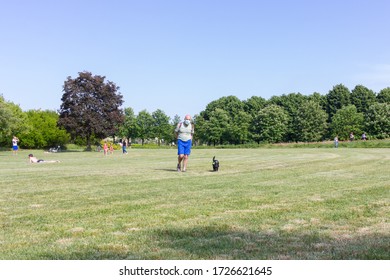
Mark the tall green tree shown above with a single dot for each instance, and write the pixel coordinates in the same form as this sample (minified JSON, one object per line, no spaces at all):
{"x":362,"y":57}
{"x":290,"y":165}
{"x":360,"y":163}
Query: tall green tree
{"x":347,"y":120}
{"x":378,"y":120}
{"x":200,"y":127}
{"x":318,"y":98}
{"x":336,"y":99}
{"x":212,"y":129}
{"x":239,"y":128}
{"x":254,"y":104}
{"x":291,"y":103}
{"x":13,"y":121}
{"x":310,"y":122}
{"x":129,"y":127}
{"x":174,"y":122}
{"x":230,"y":104}
{"x":144,"y":125}
{"x":384,"y":95}
{"x":176,"y":119}
{"x":362,"y":98}
{"x":90,"y":107}
{"x":229,"y":108}
{"x":161,"y":126}
{"x":217,"y":126}
{"x":44,"y":132}
{"x":270,"y":124}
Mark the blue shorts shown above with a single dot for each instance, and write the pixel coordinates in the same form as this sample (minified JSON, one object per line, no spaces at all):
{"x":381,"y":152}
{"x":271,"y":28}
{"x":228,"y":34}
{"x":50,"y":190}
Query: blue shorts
{"x":15,"y":148}
{"x":184,"y":148}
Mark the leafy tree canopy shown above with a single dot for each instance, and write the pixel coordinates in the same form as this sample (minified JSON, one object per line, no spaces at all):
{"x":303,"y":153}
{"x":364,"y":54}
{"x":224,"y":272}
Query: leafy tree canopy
{"x":378,"y":120}
{"x":12,"y":121}
{"x":144,"y":125}
{"x":90,"y":107}
{"x":362,"y":98}
{"x":310,"y":122}
{"x":44,"y":132}
{"x":129,"y":126}
{"x":161,"y":126}
{"x":384,"y":95}
{"x":270,"y":124}
{"x":230,"y":104}
{"x":337,"y":98}
{"x":254,"y":104}
{"x":347,"y":120}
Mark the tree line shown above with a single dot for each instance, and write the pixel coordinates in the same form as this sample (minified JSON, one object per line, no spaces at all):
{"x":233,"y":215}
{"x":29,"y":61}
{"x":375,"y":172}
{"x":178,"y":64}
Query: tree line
{"x":91,"y":110}
{"x":296,"y":118}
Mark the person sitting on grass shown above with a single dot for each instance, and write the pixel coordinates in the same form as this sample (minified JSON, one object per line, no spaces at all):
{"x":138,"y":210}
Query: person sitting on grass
{"x":35,"y":160}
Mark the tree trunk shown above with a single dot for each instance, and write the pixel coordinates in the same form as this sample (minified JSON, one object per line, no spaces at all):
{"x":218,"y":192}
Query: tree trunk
{"x":89,"y":143}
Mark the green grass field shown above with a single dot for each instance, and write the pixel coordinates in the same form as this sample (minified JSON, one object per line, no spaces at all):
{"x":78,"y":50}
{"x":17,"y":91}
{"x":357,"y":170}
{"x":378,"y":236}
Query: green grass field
{"x":305,"y":203}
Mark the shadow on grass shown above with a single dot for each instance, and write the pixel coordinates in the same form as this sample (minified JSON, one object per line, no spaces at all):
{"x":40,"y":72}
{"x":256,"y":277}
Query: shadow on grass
{"x":222,"y":243}
{"x":175,"y":170}
{"x":217,"y":243}
{"x":167,"y":169}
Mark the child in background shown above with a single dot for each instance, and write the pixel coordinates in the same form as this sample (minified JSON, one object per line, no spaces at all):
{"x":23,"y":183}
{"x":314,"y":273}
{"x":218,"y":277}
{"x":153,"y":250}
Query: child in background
{"x":105,"y":148}
{"x":111,"y":149}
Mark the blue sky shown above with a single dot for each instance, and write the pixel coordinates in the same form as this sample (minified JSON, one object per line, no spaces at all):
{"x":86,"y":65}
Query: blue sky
{"x":178,"y":56}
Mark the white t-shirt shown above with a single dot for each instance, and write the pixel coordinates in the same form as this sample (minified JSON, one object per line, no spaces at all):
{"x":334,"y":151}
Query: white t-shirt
{"x":184,"y":133}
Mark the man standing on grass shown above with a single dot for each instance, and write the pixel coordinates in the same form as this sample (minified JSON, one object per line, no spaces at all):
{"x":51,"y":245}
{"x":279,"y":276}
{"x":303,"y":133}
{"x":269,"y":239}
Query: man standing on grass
{"x":184,"y":132}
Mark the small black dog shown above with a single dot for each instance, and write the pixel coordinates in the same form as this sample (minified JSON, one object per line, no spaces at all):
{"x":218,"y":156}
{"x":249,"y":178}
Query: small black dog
{"x":215,"y":164}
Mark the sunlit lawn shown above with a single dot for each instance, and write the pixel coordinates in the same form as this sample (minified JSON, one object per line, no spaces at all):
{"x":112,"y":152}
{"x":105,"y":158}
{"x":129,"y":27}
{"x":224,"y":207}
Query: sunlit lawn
{"x":262,"y":204}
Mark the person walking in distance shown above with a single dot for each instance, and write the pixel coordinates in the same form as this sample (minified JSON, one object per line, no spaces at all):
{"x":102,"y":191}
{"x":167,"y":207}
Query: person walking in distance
{"x":124,"y":146}
{"x":184,"y":132}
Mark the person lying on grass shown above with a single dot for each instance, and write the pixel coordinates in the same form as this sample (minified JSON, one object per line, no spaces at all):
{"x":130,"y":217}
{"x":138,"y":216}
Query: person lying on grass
{"x":35,"y":160}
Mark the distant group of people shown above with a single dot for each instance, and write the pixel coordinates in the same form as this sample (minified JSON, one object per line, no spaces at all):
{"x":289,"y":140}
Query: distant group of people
{"x":351,"y":138}
{"x":109,"y":148}
{"x":183,"y":132}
